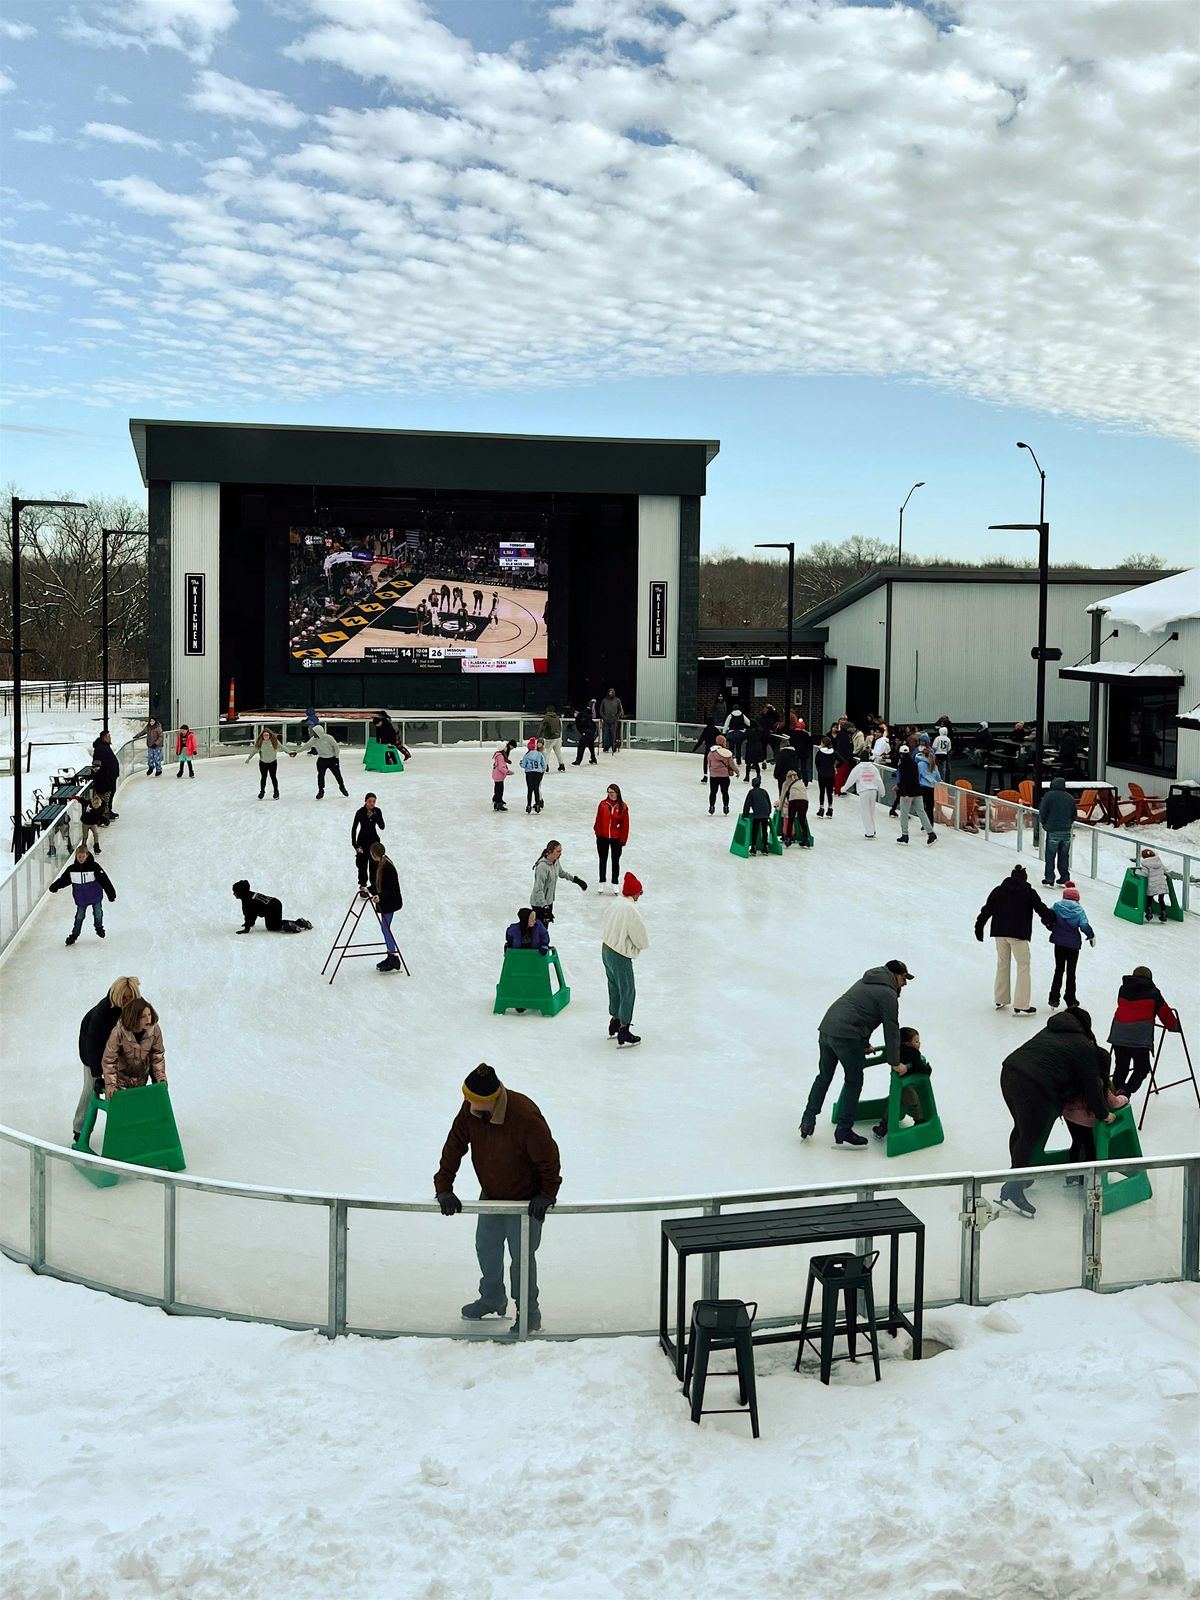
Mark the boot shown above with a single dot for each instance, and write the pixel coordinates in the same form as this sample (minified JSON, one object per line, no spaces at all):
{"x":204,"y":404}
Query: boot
{"x":614,"y":1027}
{"x":71,"y":938}
{"x":485,"y":1308}
{"x":624,"y":1036}
{"x":100,"y":933}
{"x":1013,"y":1194}
{"x":535,"y":1321}
{"x":880,"y":1130}
{"x":388,"y":964}
{"x":845,"y":1136}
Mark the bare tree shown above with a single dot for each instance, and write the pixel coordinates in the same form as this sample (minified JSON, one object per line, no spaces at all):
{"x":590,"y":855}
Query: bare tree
{"x":1143,"y":561}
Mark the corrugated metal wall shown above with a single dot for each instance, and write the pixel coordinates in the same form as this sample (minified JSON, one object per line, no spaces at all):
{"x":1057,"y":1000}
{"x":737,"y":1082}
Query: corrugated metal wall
{"x":658,"y":561}
{"x":195,"y":548}
{"x":856,"y":639}
{"x":1184,"y":653}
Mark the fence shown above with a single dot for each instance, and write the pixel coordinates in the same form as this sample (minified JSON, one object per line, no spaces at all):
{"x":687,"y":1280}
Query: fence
{"x":67,"y":696}
{"x":345,"y":1264}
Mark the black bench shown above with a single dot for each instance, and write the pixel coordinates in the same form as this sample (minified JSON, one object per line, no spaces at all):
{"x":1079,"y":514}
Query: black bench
{"x":797,"y":1225}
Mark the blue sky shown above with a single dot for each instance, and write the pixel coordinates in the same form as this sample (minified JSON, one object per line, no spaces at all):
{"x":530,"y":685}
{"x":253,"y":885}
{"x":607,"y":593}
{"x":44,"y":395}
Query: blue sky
{"x":857,"y":247}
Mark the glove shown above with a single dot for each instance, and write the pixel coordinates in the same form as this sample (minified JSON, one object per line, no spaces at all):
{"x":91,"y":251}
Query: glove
{"x":581,"y":883}
{"x":979,"y":934}
{"x":1092,"y":940}
{"x":55,"y":887}
{"x":450,"y":1204}
{"x":539,"y":1206}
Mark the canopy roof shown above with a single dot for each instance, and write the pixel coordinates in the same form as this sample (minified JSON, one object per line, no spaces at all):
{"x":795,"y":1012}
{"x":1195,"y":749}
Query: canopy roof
{"x":1119,"y":671}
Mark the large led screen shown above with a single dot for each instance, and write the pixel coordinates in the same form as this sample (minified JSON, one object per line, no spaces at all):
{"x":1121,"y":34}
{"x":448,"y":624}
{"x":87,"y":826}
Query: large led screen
{"x":402,"y":600}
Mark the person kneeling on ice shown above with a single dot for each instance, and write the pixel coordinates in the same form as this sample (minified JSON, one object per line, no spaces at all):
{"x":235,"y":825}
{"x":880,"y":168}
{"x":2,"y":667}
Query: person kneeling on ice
{"x":547,"y":870}
{"x":527,"y":933}
{"x":266,"y":906}
{"x":757,"y":806}
{"x":867,"y":781}
{"x":625,"y":938}
{"x":134,"y":1055}
{"x":843,"y":1035}
{"x":515,"y":1158}
{"x":1061,"y":1063}
{"x":1070,"y":928}
{"x":912,"y":1064}
{"x":1151,"y":868}
{"x":89,"y":884}
{"x":387,"y":900}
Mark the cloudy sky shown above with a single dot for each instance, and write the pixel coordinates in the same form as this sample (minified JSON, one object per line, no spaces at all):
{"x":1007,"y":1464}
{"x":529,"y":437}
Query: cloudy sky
{"x":859,"y":243}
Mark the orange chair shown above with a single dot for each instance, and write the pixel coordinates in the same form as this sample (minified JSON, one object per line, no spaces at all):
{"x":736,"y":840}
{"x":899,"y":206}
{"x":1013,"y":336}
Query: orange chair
{"x":1004,"y":815}
{"x":1025,"y":792}
{"x":1143,"y":807}
{"x":968,"y":806}
{"x":1088,"y":805}
{"x":943,"y":810}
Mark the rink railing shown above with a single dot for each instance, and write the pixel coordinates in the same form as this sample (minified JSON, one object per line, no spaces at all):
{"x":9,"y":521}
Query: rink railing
{"x":130,"y":1241}
{"x":27,"y":880}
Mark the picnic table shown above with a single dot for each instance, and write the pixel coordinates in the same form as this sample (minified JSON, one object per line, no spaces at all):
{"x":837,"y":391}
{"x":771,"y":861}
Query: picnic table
{"x":795,"y":1225}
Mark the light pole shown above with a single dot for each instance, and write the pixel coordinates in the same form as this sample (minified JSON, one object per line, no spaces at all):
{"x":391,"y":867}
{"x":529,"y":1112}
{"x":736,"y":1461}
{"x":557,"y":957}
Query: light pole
{"x":790,"y":547}
{"x":900,"y":542}
{"x":18,"y":506}
{"x":1042,"y":528}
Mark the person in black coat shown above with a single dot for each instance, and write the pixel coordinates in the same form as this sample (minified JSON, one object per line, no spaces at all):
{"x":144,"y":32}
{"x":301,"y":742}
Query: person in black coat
{"x":105,"y":782}
{"x":267,"y":907}
{"x":1063,"y":1062}
{"x":384,"y":730}
{"x":705,"y":742}
{"x":585,"y":727}
{"x":1011,"y":908}
{"x":755,"y":750}
{"x":802,"y":742}
{"x":758,"y":808}
{"x":94,"y":1031}
{"x":843,"y":745}
{"x":387,"y":900}
{"x":788,"y":760}
{"x":368,"y":824}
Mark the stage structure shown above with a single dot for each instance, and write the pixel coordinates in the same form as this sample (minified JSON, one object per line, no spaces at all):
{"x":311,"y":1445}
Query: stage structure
{"x":353,"y":568}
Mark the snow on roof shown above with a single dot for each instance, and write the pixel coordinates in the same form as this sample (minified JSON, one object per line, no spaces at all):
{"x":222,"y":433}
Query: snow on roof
{"x":1153,"y":607}
{"x":1106,"y":670}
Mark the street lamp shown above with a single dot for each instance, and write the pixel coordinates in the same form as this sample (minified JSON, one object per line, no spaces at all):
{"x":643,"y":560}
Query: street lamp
{"x":790,"y":547}
{"x":900,"y":542}
{"x":1042,"y":528}
{"x":18,"y":506}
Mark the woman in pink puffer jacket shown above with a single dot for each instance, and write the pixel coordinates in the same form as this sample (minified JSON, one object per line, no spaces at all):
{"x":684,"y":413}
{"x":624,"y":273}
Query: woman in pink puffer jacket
{"x":500,"y":771}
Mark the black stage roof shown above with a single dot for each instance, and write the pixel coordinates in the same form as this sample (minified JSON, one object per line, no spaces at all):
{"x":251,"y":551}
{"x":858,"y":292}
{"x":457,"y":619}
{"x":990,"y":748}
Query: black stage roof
{"x":235,"y":452}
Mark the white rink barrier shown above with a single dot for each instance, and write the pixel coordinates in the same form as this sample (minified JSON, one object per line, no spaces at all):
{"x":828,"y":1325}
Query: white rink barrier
{"x":349,"y":1264}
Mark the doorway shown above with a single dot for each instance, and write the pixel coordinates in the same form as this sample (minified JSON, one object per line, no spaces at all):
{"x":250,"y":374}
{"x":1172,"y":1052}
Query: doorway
{"x":862,"y":694}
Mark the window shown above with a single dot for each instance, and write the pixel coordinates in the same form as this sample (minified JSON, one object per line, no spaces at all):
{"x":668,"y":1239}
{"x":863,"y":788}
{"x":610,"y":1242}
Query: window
{"x":1141,"y":727}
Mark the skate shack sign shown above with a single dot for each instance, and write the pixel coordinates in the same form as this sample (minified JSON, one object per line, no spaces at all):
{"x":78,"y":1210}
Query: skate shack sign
{"x":193,"y":613}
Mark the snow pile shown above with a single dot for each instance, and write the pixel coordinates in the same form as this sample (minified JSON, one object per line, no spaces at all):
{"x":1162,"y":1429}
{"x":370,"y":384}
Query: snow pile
{"x":1154,"y":607}
{"x":1051,"y":1451}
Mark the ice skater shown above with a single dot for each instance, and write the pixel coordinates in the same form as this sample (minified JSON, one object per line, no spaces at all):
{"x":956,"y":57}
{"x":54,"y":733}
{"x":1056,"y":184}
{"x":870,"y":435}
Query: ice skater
{"x":793,"y":811}
{"x":185,"y":749}
{"x":722,"y":766}
{"x":1071,"y":927}
{"x":267,"y":747}
{"x":387,"y":900}
{"x":1150,"y":867}
{"x":547,"y":870}
{"x":91,"y":815}
{"x":368,"y":824}
{"x":867,"y":781}
{"x":585,"y":727}
{"x":501,"y":771}
{"x":325,"y":747}
{"x":533,"y":765}
{"x":550,"y":733}
{"x":527,"y":933}
{"x":1131,"y":1035}
{"x":612,"y":833}
{"x":153,"y":732}
{"x":909,"y":792}
{"x":90,"y":886}
{"x":267,"y":907}
{"x":94,"y":1031}
{"x":515,"y":1158}
{"x":843,"y":1035}
{"x":757,"y":806}
{"x":624,"y":939}
{"x":825,"y":761}
{"x":705,"y":742}
{"x":612,"y":714}
{"x":1011,"y":908}
{"x":134,"y":1054}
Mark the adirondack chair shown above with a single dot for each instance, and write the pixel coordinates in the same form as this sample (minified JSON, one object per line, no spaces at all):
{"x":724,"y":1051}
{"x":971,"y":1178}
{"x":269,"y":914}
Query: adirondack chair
{"x":1142,"y":807}
{"x":1004,"y":815}
{"x":968,"y":806}
{"x":1088,"y":805}
{"x":1025,"y":792}
{"x":943,"y":809}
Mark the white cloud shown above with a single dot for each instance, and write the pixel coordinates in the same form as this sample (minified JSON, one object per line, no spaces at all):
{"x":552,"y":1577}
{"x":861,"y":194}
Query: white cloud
{"x":6,"y":82}
{"x":109,"y":97}
{"x":16,"y":30}
{"x":1003,"y":206}
{"x":192,"y":26}
{"x":43,"y":134}
{"x":111,"y":133}
{"x":226,"y":97}
{"x":106,"y":324}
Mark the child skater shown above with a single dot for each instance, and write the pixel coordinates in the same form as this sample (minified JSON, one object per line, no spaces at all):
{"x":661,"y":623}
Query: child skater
{"x":89,"y":887}
{"x":825,"y":760}
{"x":1151,"y":868}
{"x":1080,"y":1122}
{"x":92,"y":817}
{"x":757,"y":807}
{"x":793,"y":810}
{"x":533,"y":765}
{"x":500,"y":771}
{"x":912,"y":1064}
{"x":185,"y":749}
{"x":1071,"y":927}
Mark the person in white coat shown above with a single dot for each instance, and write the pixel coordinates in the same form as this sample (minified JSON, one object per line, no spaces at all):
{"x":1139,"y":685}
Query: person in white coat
{"x":327,"y":751}
{"x":867,"y":781}
{"x":625,"y":938}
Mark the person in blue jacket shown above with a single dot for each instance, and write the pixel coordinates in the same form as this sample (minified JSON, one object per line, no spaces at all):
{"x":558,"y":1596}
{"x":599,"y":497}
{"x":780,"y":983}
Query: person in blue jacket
{"x":758,"y":808}
{"x":929,"y":776}
{"x":527,"y":932}
{"x":1057,"y":815}
{"x":1071,"y":927}
{"x":533,"y":765}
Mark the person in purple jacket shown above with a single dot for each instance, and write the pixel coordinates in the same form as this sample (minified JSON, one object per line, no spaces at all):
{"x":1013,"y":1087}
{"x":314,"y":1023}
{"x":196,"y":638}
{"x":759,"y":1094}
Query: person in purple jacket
{"x":89,"y":885}
{"x":1070,"y":928}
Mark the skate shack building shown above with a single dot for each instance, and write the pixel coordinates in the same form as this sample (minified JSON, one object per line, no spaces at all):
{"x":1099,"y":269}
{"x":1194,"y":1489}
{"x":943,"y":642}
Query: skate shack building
{"x":350,"y":568}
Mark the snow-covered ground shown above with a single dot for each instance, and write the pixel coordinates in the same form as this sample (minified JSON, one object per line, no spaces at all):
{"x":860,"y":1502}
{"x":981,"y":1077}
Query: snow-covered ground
{"x":1050,"y":1451}
{"x":278,"y":1079}
{"x":60,"y":739}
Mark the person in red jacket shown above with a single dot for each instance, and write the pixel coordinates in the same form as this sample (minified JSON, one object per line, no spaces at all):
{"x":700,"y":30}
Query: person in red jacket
{"x":612,"y":833}
{"x":185,"y":749}
{"x":1131,"y":1035}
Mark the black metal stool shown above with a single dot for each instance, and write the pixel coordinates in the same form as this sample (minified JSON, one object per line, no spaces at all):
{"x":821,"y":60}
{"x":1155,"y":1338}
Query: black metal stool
{"x":851,"y":1276}
{"x":722,"y":1325}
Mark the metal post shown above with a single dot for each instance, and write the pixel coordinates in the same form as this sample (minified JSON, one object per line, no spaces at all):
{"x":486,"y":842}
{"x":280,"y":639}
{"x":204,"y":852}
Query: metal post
{"x":336,"y":1307}
{"x":15,"y":541}
{"x":791,"y":618}
{"x":1093,"y":1212}
{"x":710,"y":1265}
{"x":1095,"y":849}
{"x":169,"y":1242}
{"x":523,"y":1276}
{"x":1191,"y":1222}
{"x":1093,"y":760}
{"x":104,"y":623}
{"x":1043,"y":600}
{"x":37,"y":1208}
{"x":966,"y":1242}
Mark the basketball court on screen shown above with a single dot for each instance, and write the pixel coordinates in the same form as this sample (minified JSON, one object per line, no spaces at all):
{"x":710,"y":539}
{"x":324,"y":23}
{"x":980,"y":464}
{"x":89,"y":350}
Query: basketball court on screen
{"x":515,"y":628}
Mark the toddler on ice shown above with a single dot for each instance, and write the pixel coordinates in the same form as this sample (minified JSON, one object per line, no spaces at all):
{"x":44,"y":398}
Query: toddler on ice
{"x":912,"y":1064}
{"x":1151,"y":868}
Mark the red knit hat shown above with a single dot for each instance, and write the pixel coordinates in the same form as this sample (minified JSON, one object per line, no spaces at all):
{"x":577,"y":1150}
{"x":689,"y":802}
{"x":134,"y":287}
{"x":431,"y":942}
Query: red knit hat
{"x":630,"y":885}
{"x":1070,"y":892}
{"x":532,"y":745}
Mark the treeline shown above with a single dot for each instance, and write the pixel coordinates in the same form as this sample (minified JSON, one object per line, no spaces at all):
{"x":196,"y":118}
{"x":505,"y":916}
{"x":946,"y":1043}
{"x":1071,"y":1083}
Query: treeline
{"x":60,"y":588}
{"x":751,"y":591}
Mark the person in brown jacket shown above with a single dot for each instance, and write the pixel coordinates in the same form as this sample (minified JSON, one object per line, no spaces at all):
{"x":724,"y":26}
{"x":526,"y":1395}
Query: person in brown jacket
{"x":133,"y":1055}
{"x":515,"y":1158}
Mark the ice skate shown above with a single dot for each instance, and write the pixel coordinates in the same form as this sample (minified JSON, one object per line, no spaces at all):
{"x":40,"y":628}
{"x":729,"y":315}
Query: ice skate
{"x":614,"y":1027}
{"x":847,"y":1136}
{"x":1013,"y":1195}
{"x":626,"y":1036}
{"x":485,"y":1308}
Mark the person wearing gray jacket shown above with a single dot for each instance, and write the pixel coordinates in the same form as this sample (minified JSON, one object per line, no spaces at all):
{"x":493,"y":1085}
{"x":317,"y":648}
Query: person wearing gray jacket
{"x":547,"y":870}
{"x":843,"y":1035}
{"x":327,"y":751}
{"x":1057,"y":815}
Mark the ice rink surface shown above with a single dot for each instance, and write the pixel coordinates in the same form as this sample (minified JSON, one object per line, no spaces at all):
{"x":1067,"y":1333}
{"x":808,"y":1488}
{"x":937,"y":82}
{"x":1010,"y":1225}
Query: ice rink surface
{"x":279,"y":1079}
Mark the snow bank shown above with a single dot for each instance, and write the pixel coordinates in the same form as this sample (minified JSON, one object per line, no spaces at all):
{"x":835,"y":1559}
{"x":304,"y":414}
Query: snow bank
{"x":1154,"y":607}
{"x":1051,"y":1451}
